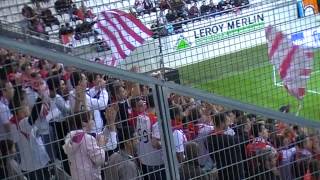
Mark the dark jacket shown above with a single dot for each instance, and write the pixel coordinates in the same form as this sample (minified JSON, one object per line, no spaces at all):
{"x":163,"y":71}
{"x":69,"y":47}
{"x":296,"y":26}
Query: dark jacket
{"x":226,"y":150}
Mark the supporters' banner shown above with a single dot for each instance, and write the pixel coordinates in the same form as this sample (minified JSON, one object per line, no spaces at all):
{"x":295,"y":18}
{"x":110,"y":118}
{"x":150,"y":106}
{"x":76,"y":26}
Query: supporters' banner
{"x":122,"y":32}
{"x":293,"y":62}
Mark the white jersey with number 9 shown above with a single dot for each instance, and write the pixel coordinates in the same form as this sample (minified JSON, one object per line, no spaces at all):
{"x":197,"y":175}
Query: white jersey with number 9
{"x":148,"y":155}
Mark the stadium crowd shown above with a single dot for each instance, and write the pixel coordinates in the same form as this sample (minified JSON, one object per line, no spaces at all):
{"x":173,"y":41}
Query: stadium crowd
{"x":79,"y":24}
{"x":96,"y":127}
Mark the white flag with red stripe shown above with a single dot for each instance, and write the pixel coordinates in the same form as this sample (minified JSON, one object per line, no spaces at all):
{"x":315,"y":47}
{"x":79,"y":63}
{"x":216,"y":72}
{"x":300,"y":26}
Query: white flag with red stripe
{"x":122,"y":32}
{"x":294,"y":63}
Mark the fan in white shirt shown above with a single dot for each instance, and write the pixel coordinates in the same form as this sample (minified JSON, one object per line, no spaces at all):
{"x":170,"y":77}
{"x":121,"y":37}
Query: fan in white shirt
{"x":100,"y":102}
{"x":148,"y":154}
{"x":32,"y":151}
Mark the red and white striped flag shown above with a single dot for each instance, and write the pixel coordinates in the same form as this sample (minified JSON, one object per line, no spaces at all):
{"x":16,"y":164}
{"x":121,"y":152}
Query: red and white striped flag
{"x":294,"y":63}
{"x":122,"y":32}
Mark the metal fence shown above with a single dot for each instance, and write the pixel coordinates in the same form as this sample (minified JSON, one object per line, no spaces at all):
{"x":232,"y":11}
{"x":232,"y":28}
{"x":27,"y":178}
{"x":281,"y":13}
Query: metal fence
{"x":66,"y":118}
{"x":222,"y":50}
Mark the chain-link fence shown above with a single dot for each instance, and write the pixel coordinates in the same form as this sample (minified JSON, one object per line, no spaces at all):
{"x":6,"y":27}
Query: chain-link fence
{"x":219,"y":47}
{"x":81,"y":120}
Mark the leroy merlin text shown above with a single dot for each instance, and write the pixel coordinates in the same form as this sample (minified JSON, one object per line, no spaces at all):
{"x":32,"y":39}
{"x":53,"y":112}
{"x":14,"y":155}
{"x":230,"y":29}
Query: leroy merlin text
{"x":232,"y":28}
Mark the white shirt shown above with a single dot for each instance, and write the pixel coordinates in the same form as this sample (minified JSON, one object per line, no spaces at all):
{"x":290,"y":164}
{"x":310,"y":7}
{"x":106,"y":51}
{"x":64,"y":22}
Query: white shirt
{"x":287,"y":155}
{"x":32,"y":151}
{"x":179,"y":139}
{"x":31,"y":96}
{"x":5,"y":116}
{"x":112,"y":142}
{"x":95,"y":104}
{"x":201,"y":139}
{"x":59,"y":109}
{"x":98,"y":125}
{"x":148,"y":155}
{"x":229,"y":132}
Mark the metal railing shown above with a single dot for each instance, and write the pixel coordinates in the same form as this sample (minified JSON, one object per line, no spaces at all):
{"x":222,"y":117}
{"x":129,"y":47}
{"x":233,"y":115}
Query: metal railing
{"x":179,"y":111}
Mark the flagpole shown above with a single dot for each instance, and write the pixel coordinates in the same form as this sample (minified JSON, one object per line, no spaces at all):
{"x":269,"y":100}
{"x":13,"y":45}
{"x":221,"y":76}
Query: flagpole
{"x":162,"y":69}
{"x":300,"y":105}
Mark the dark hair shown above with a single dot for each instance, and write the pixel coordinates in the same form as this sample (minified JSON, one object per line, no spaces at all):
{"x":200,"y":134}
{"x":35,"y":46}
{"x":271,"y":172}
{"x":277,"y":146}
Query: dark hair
{"x":285,"y":109}
{"x":150,"y":101}
{"x":257,"y":128}
{"x":250,"y":116}
{"x":18,"y":97}
{"x":24,"y":66}
{"x":124,"y":134}
{"x":53,"y":83}
{"x":75,"y":78}
{"x":92,"y":76}
{"x":236,"y":112}
{"x":134,"y":101}
{"x":300,"y":140}
{"x":174,"y":112}
{"x":219,"y":119}
{"x":194,"y":114}
{"x":75,"y":121}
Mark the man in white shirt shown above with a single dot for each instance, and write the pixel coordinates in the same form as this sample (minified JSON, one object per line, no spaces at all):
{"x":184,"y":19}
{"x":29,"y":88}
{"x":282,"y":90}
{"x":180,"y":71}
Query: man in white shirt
{"x":149,"y":156}
{"x":97,"y":103}
{"x":6,"y":94}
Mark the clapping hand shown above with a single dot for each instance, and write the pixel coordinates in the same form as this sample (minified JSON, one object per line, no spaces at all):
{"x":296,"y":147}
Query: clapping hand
{"x":111,"y":114}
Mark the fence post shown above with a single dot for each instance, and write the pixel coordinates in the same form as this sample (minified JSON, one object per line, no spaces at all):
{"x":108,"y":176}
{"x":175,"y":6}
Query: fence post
{"x":162,"y":108}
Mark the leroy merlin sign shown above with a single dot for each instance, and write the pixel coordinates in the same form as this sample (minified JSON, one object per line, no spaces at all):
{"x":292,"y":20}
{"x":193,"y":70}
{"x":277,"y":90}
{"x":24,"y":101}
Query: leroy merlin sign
{"x":228,"y":29}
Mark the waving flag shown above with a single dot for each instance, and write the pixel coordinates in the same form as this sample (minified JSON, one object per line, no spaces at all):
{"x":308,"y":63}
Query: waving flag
{"x":122,"y":32}
{"x":294,"y":63}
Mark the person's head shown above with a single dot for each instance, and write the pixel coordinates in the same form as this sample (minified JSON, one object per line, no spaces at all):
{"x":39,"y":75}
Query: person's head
{"x":194,"y":115}
{"x":220,"y":120}
{"x":97,"y":59}
{"x":121,"y":93}
{"x":78,"y":79}
{"x":176,"y":113}
{"x":150,"y":103}
{"x":231,"y":117}
{"x":252,"y":117}
{"x":81,"y":120}
{"x":94,"y":78}
{"x":244,"y":124}
{"x":267,"y":157}
{"x":53,"y":84}
{"x":144,"y":90}
{"x":259,"y":130}
{"x":6,"y":90}
{"x":18,"y":104}
{"x":285,"y":109}
{"x":63,"y":86}
{"x":127,"y":139}
{"x":26,"y":68}
{"x":138,"y":104}
{"x":303,"y":142}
